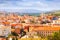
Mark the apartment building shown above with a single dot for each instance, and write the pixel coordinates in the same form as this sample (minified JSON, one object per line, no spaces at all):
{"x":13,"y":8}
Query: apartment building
{"x":45,"y":31}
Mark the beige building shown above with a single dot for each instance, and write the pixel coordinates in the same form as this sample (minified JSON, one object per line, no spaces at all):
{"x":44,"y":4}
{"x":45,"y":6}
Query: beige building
{"x":45,"y":31}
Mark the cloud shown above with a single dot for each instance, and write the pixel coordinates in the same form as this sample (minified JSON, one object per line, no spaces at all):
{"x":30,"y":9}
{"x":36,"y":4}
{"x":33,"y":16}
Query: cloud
{"x":44,"y":5}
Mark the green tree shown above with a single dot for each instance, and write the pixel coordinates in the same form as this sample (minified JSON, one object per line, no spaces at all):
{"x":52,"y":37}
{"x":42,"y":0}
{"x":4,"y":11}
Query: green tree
{"x":55,"y":36}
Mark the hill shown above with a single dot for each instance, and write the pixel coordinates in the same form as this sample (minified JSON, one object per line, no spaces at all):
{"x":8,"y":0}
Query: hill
{"x":56,"y":12}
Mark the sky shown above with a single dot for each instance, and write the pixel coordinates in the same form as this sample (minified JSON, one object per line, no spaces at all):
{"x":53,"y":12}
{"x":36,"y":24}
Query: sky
{"x":29,"y":5}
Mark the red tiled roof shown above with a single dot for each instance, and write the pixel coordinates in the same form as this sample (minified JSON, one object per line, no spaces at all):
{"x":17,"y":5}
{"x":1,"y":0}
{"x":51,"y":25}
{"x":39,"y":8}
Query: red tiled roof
{"x":46,"y":28}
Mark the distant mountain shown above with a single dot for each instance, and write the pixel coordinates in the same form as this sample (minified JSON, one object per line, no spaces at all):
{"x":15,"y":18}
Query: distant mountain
{"x":30,"y":11}
{"x":33,"y":12}
{"x":23,"y":10}
{"x":55,"y":12}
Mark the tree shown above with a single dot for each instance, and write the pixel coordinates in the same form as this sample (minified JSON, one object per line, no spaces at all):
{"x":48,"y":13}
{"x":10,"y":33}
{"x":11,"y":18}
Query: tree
{"x":55,"y":36}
